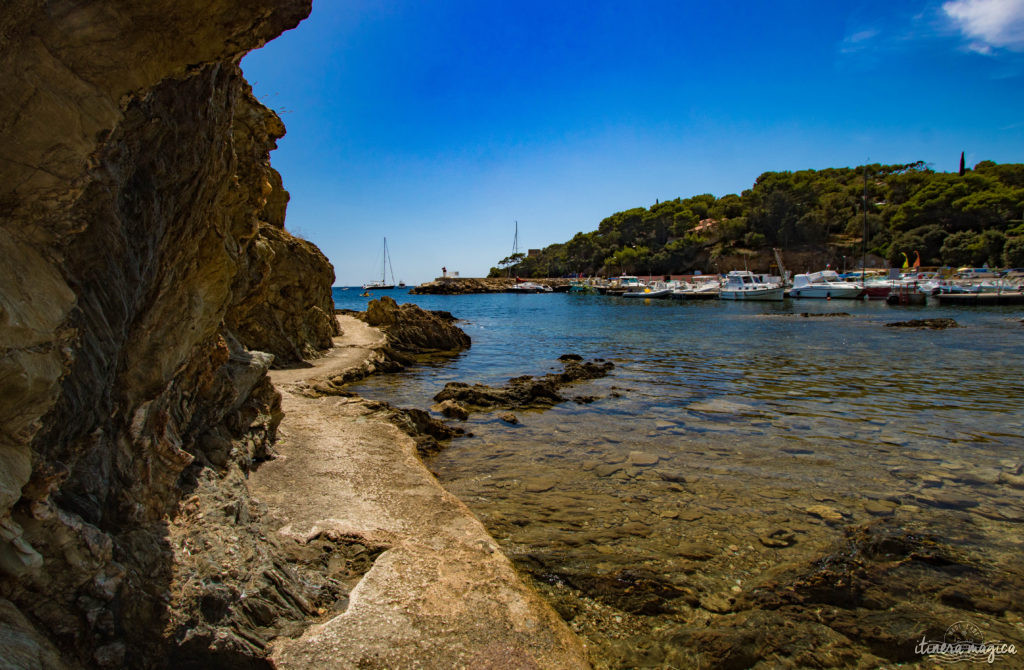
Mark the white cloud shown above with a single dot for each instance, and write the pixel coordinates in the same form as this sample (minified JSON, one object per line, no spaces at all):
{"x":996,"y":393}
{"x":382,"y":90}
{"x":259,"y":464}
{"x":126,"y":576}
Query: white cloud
{"x":989,"y":23}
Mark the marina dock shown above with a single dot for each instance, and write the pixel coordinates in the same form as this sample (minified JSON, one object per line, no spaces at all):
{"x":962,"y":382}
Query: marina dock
{"x":981,"y":299}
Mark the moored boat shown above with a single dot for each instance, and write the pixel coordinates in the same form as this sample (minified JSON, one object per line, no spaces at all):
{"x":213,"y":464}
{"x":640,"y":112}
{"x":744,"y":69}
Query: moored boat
{"x":382,"y":284}
{"x":656,"y":290}
{"x":825,"y":284}
{"x":705,"y":290}
{"x":623,"y":284}
{"x":745,"y":285}
{"x":529,"y":287}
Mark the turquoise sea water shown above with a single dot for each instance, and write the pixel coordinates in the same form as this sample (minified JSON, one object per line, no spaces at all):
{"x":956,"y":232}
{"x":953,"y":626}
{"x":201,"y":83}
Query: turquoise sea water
{"x":965,"y":383}
{"x":760,"y":421}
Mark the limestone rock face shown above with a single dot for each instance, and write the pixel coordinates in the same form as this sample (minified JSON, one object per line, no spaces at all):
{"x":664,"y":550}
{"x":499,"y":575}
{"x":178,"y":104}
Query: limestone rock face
{"x":145,"y":268}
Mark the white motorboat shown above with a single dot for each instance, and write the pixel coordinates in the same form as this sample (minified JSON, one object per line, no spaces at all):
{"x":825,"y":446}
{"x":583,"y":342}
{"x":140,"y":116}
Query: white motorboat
{"x":529,"y":287}
{"x":745,"y":285}
{"x":624,"y":284}
{"x":705,"y":290}
{"x":655,"y":291}
{"x":824,"y":284}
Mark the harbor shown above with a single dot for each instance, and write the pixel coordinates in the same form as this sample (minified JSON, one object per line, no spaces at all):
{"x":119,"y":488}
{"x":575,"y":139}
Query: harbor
{"x":907,"y":288}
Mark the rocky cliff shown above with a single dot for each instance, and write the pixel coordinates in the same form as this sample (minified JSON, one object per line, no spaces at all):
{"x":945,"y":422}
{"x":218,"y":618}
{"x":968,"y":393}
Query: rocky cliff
{"x":147,"y":284}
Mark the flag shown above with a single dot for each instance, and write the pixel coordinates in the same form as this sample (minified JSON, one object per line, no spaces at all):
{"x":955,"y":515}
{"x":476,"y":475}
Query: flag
{"x":906,"y":261}
{"x":917,"y":260}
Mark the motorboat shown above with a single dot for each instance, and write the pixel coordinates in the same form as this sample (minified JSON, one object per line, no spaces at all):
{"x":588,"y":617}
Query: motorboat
{"x":625,"y":284}
{"x":529,"y":287}
{"x":582,"y":287}
{"x":656,"y":290}
{"x":705,"y":290}
{"x":824,"y":284}
{"x":745,"y":285}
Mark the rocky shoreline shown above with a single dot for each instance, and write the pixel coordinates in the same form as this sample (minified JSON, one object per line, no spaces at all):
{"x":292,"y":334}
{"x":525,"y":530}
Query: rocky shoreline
{"x":435,"y":589}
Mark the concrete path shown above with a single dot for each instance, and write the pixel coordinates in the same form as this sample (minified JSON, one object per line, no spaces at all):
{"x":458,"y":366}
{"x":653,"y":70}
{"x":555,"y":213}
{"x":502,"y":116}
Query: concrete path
{"x":442,"y":595}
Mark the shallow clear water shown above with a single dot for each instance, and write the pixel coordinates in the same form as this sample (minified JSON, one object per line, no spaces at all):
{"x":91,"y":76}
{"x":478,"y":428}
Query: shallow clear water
{"x":759,"y":420}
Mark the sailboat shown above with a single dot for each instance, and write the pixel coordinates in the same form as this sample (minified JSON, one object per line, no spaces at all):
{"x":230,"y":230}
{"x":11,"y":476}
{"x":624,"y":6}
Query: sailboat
{"x":381,"y":284}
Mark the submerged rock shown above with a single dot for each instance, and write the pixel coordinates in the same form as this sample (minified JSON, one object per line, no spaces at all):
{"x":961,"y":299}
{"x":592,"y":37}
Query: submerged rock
{"x":778,"y":539}
{"x":641,"y":458}
{"x":824,"y":512}
{"x":934,"y":324}
{"x":451,"y":409}
{"x":526,"y":391}
{"x":429,"y":433}
{"x":697,"y":551}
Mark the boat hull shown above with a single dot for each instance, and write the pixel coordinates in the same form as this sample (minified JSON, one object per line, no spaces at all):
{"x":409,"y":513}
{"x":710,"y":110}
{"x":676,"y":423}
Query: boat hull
{"x":650,"y":295}
{"x":689,"y":294}
{"x":826,"y":292}
{"x":763,"y":294}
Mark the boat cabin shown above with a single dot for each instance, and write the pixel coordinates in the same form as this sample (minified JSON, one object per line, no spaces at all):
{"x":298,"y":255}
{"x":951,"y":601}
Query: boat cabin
{"x":628,"y":281}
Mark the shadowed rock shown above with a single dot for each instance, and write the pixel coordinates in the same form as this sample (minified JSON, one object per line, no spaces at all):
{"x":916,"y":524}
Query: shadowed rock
{"x":526,"y":391}
{"x":934,"y":324}
{"x":410,"y":328}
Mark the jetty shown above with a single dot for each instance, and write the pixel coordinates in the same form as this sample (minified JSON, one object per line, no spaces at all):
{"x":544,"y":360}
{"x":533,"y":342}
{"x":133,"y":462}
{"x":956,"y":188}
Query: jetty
{"x":466,"y":285}
{"x":981,"y":299}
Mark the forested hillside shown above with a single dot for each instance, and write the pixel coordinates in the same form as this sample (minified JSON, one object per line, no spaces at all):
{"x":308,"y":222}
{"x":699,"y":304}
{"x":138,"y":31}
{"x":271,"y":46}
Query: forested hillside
{"x":953,"y":219}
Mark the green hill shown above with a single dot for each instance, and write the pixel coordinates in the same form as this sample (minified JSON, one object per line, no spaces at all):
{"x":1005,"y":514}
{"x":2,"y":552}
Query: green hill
{"x":950,"y":219}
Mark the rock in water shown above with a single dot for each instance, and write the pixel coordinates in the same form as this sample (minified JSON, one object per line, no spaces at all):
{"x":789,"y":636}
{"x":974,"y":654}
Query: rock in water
{"x":643,"y":459}
{"x":527,"y":390}
{"x":413,"y":329}
{"x":824,"y":512}
{"x":451,"y":409}
{"x":934,"y":324}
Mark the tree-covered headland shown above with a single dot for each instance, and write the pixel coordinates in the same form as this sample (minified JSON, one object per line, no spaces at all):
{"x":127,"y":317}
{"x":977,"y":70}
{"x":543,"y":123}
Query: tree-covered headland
{"x":814,"y":216}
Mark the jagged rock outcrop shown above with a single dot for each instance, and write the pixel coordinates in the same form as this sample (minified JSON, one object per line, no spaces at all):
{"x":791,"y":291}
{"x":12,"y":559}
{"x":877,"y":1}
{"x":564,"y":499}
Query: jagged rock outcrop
{"x":411,"y":328}
{"x":407,"y":330}
{"x":144,"y":264}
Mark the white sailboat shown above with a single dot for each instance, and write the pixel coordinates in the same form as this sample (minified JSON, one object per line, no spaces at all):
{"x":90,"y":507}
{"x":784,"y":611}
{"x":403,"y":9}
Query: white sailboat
{"x":382,"y":284}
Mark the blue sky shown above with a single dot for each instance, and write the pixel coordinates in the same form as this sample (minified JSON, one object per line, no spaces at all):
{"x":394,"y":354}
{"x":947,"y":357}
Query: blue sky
{"x":439,"y":124}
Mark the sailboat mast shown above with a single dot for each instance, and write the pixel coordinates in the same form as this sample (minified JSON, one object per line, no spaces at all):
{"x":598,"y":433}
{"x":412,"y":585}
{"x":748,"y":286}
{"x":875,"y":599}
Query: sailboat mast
{"x":387,"y":264}
{"x":515,"y":247}
{"x":864,"y":241}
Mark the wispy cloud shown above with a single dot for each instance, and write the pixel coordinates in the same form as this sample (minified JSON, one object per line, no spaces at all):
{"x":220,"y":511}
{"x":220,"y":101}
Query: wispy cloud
{"x":862,"y":35}
{"x":989,"y":24}
{"x":858,"y":40}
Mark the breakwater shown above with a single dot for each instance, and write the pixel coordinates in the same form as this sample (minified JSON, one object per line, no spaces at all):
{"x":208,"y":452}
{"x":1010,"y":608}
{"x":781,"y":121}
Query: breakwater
{"x":465,"y":285}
